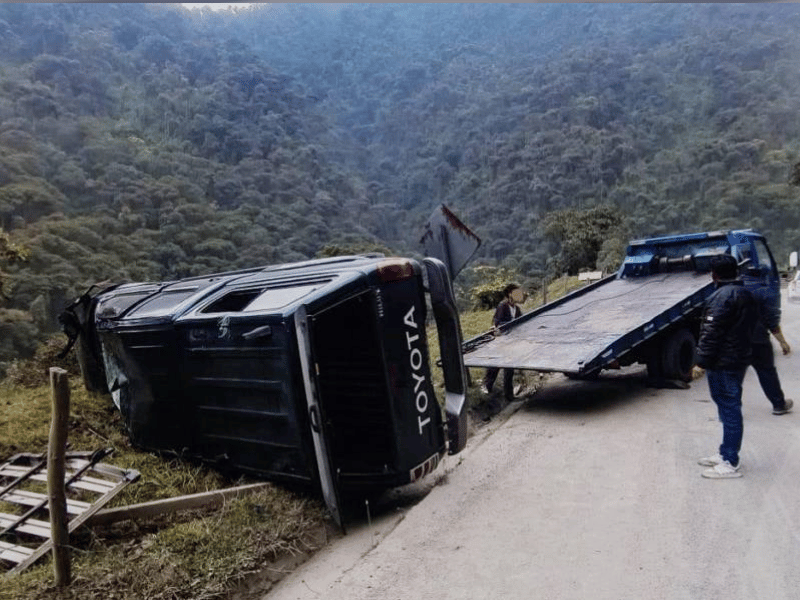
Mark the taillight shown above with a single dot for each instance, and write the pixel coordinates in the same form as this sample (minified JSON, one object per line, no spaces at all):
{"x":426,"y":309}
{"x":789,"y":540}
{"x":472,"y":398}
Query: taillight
{"x":423,"y":469}
{"x":395,"y":269}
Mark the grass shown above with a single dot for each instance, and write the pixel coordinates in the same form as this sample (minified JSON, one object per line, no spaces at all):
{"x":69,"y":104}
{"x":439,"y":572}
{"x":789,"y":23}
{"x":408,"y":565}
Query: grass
{"x":95,"y":423}
{"x":191,"y":555}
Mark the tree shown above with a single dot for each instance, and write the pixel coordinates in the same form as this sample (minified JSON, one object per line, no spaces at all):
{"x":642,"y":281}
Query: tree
{"x":9,"y":252}
{"x":579,"y":235}
{"x":795,"y":179}
{"x":352,"y":246}
{"x":484,"y":284}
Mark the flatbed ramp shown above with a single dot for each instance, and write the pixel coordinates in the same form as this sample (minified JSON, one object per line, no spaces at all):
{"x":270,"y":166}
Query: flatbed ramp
{"x":592,"y":327}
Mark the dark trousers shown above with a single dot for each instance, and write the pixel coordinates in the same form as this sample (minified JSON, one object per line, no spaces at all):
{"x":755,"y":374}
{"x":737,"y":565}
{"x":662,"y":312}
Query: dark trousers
{"x":764,"y":363}
{"x":726,"y":391}
{"x":508,"y":380}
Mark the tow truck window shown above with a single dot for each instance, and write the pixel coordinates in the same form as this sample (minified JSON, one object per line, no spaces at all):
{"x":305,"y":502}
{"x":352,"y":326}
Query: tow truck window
{"x":764,"y":257}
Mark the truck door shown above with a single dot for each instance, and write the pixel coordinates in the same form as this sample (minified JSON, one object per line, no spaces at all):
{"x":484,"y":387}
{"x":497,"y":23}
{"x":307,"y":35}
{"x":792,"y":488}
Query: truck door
{"x":327,"y":477}
{"x":447,"y":239}
{"x":765,"y":260}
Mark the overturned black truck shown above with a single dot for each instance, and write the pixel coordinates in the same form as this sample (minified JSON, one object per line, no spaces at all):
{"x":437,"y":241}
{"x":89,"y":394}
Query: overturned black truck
{"x":315,"y":372}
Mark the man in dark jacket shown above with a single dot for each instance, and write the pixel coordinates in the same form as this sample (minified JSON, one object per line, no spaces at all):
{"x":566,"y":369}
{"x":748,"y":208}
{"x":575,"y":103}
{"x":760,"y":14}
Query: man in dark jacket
{"x":724,"y":350}
{"x":768,"y":301}
{"x":506,"y":311}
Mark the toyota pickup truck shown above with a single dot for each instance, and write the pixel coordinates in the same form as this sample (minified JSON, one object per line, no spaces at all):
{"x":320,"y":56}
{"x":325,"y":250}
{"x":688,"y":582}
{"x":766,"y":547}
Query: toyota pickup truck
{"x":315,"y":372}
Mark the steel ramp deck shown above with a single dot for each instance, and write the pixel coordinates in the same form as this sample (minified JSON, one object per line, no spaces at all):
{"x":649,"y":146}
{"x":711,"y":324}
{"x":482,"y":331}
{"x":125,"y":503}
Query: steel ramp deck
{"x":591,"y":324}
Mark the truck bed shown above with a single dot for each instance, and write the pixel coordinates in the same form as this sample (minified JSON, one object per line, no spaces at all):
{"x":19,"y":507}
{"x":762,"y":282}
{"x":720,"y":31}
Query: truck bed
{"x":593,"y":326}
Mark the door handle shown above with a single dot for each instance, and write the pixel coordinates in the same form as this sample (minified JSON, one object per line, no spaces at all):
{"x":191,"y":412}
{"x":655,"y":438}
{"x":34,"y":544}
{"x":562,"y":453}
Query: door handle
{"x":313,"y":414}
{"x":258,"y":332}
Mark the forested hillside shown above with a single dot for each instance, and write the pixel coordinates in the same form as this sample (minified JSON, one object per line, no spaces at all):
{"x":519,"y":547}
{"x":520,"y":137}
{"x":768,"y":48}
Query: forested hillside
{"x":142,"y":141}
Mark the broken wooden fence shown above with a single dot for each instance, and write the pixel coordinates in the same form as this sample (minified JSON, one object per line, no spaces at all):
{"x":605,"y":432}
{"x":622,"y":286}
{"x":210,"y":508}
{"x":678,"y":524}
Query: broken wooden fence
{"x":25,"y":534}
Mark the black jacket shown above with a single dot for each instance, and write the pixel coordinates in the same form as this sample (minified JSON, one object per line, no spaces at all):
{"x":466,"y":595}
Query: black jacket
{"x":505,"y":313}
{"x":727,"y":328}
{"x":768,"y":304}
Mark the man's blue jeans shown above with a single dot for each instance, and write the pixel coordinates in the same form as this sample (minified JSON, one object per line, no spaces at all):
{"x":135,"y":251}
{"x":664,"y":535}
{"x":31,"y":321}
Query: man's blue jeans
{"x":726,"y":391}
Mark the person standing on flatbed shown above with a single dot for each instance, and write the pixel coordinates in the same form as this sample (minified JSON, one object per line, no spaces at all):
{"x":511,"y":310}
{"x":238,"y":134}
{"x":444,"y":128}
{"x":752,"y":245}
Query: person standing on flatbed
{"x":506,"y":311}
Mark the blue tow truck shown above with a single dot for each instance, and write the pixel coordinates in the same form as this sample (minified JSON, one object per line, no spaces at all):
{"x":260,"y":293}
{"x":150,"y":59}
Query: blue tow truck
{"x":647,"y":312}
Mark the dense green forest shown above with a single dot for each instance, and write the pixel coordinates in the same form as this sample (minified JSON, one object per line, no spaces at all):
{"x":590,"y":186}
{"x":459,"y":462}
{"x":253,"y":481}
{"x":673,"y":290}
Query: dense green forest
{"x":150,"y":142}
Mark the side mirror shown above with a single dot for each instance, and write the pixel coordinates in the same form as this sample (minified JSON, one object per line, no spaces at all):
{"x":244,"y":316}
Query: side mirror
{"x":741,"y":252}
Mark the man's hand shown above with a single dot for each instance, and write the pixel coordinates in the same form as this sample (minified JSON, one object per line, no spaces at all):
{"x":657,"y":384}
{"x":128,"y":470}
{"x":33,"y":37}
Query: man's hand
{"x":697,"y":372}
{"x":785,"y":347}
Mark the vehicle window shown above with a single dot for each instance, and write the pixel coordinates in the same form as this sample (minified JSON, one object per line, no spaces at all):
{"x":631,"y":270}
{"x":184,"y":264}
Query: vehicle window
{"x":161,"y":305}
{"x":278,"y":298}
{"x":259,"y":299}
{"x":764,"y":258}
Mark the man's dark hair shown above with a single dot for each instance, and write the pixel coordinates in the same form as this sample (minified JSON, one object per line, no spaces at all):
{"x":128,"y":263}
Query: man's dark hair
{"x":725,"y":266}
{"x":509,"y":288}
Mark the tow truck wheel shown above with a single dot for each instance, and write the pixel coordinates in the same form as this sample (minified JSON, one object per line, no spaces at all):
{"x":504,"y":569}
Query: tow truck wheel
{"x":677,"y":356}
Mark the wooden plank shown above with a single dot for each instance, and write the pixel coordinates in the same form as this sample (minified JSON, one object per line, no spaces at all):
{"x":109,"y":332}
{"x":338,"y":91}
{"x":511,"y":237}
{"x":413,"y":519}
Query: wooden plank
{"x":31,"y":526}
{"x":86,"y":482}
{"x":82,"y":511}
{"x":37,"y":462}
{"x":13,"y":471}
{"x":73,"y":525}
{"x":12,"y":553}
{"x":97,"y":486}
{"x":56,"y":468}
{"x":26,"y":498}
{"x":211,"y":499}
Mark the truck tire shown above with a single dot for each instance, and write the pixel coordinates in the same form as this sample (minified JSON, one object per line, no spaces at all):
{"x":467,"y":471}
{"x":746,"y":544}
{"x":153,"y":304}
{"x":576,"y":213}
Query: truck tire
{"x":677,"y":355}
{"x":654,"y":369}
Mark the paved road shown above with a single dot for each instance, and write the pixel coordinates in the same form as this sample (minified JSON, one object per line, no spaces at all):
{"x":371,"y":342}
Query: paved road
{"x":591,"y":491}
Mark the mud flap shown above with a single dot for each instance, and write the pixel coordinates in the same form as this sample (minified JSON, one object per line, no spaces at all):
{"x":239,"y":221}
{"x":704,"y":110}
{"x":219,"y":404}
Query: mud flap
{"x":327,"y":478}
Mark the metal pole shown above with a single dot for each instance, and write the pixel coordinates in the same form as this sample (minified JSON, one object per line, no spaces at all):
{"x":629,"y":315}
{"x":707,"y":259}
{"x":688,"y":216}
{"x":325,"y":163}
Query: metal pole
{"x":447,"y":256}
{"x":56,"y":470}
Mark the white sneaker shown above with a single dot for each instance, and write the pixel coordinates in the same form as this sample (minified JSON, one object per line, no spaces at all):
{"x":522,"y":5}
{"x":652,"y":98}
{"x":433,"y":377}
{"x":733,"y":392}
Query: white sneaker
{"x":723,"y":470}
{"x":710,"y":461}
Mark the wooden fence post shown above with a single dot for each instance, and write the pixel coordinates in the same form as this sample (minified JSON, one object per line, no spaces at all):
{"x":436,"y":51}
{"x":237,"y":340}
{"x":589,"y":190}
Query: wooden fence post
{"x":56,"y":469}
